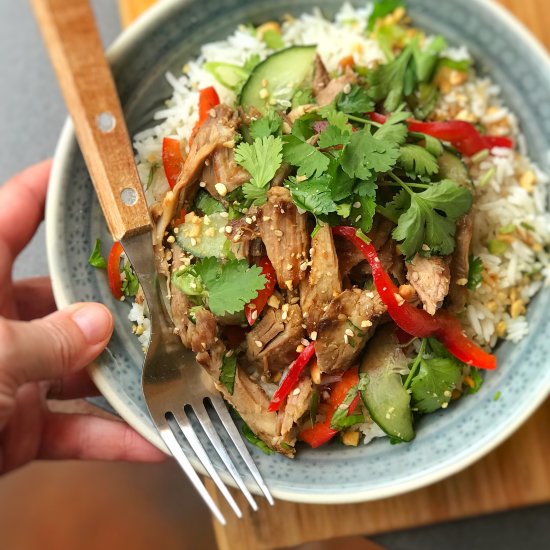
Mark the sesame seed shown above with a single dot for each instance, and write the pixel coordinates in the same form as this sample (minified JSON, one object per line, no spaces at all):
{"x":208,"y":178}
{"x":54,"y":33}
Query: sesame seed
{"x":284,"y":315}
{"x":358,"y":218}
{"x":294,"y":300}
{"x":171,"y":239}
{"x":228,"y":229}
{"x":366,"y":323}
{"x":259,"y":344}
{"x":264,"y":93}
{"x":304,"y":342}
{"x":202,"y":184}
{"x":425,"y":247}
{"x":248,"y":220}
{"x":313,"y":335}
{"x":303,"y":266}
{"x":224,"y":215}
{"x":296,"y":391}
{"x":229,"y":353}
{"x":444,"y":405}
{"x":346,"y":339}
{"x":285,"y":307}
{"x":289,"y":266}
{"x":193,"y":241}
{"x":254,"y":315}
{"x":273,"y":301}
{"x":447,"y":393}
{"x":176,"y":230}
{"x":221,"y":230}
{"x":304,"y":326}
{"x":278,"y":232}
{"x":266,"y":218}
{"x":356,"y":204}
{"x":347,"y":88}
{"x":349,"y":332}
{"x":221,"y":189}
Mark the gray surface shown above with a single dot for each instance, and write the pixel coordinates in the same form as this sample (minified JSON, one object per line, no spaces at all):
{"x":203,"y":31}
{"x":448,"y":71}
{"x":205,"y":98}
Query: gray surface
{"x":32,"y":115}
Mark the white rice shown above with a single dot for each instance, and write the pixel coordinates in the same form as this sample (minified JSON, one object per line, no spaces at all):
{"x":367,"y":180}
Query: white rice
{"x":509,"y":276}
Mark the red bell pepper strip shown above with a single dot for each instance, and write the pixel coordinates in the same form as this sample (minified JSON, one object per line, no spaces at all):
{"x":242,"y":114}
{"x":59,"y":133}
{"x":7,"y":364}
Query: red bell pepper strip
{"x":321,"y":432}
{"x":208,"y":99}
{"x":113,"y":270}
{"x":180,"y":219}
{"x":172,"y":160}
{"x":462,"y":135}
{"x":291,"y":378}
{"x":414,"y":321}
{"x":253,"y":309}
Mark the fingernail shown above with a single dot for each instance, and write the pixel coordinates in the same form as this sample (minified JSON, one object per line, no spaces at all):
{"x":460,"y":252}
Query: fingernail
{"x":95,"y":322}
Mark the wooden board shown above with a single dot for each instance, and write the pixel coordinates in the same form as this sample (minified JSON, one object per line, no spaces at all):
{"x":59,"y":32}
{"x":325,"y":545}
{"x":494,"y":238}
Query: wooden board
{"x":514,"y":475}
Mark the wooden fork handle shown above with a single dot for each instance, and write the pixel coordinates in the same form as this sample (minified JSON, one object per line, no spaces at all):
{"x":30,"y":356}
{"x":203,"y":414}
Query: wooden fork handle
{"x":72,"y":38}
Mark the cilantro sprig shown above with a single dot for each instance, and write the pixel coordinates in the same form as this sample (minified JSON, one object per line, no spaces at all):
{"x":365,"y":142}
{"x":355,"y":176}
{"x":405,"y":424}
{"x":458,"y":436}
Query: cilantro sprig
{"x":262,"y":159}
{"x":96,"y":258}
{"x":225,"y":287}
{"x":429,"y":217}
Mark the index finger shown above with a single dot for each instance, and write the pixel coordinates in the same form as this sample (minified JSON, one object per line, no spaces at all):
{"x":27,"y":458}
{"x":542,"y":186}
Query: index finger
{"x":22,"y":201}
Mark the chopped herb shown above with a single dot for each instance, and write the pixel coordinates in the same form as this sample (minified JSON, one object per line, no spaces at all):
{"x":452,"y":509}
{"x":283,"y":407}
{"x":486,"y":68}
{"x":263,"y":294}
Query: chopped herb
{"x":228,"y":372}
{"x":305,"y":156}
{"x":96,"y":259}
{"x":507,"y":229}
{"x":192,"y":314}
{"x":476,"y":381}
{"x":423,"y":101}
{"x":462,"y":65}
{"x":207,"y":204}
{"x":254,"y":439}
{"x":303,"y":96}
{"x":497,"y":395}
{"x":427,"y":58}
{"x":417,"y":161}
{"x":340,"y":419}
{"x":262,"y":159}
{"x":475,"y":272}
{"x":356,"y":101}
{"x":428,"y":217}
{"x":151,"y":177}
{"x":367,"y":154}
{"x":313,"y":195}
{"x":387,"y":82}
{"x":332,"y":136}
{"x":226,"y":287}
{"x":130,"y":283}
{"x":273,"y":39}
{"x":268,"y":125}
{"x":432,"y":387}
{"x":381,"y":9}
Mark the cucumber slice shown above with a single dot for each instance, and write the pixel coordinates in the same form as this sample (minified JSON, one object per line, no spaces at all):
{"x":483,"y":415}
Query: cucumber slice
{"x":201,"y":236}
{"x":387,"y":401}
{"x":228,"y":75}
{"x":451,"y":167}
{"x":280,"y":75}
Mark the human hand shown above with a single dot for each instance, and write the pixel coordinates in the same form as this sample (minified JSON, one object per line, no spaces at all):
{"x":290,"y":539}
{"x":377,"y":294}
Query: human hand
{"x":43,"y":352}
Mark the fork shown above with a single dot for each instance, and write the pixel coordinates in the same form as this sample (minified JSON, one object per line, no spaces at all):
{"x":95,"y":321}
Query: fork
{"x":172,"y":380}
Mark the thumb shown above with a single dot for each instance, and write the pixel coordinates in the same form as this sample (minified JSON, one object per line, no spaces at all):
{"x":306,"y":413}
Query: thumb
{"x":56,"y":345}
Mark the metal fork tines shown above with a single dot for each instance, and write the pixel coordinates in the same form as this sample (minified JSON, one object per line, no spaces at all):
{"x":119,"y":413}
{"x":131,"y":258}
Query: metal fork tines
{"x":173,"y":382}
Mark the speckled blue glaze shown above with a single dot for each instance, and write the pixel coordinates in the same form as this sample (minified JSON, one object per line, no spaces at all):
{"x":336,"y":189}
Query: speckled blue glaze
{"x":446,"y":441}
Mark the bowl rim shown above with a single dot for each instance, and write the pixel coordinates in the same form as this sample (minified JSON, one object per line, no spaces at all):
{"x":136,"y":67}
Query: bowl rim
{"x":116,"y":52}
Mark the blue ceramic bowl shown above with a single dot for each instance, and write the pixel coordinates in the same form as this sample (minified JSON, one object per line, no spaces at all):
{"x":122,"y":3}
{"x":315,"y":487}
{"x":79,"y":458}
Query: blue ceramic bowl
{"x":447,"y":441}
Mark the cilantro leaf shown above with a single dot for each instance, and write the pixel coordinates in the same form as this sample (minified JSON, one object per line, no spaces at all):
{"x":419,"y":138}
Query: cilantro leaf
{"x":236,"y":285}
{"x":423,"y":101}
{"x":475,"y":273}
{"x":130,"y":283}
{"x":334,"y":117}
{"x":303,"y":96}
{"x":207,"y":204}
{"x":462,"y":65}
{"x":262,"y":159}
{"x":477,"y":380}
{"x":417,"y":160}
{"x":393,"y":129}
{"x":333,"y":136}
{"x":313,"y":195}
{"x":251,"y":437}
{"x":380,"y":9}
{"x":362,"y":213}
{"x":387,"y":82}
{"x":365,"y":155}
{"x":342,"y":185}
{"x":426,"y":59}
{"x":227,"y":287}
{"x":303,"y":127}
{"x":228,"y":372}
{"x":340,"y":418}
{"x":305,"y":156}
{"x":431,"y":218}
{"x":432,"y":387}
{"x":268,"y":125}
{"x":395,"y":208}
{"x":356,"y":101}
{"x":96,"y":259}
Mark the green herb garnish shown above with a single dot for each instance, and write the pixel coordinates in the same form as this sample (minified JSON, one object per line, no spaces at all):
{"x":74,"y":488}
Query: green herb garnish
{"x":96,"y":259}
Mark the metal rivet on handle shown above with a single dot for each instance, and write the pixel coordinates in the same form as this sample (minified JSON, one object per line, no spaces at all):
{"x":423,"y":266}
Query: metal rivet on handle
{"x":106,"y":122}
{"x":128,"y":196}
